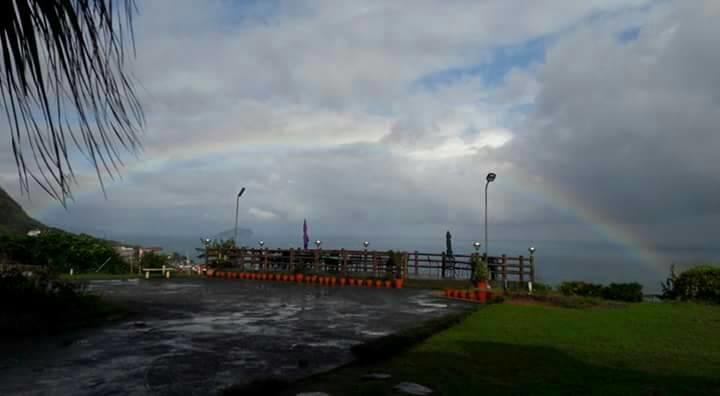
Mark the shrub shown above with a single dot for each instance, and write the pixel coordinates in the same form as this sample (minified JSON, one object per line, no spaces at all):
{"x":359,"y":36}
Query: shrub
{"x":393,"y":264}
{"x":479,"y":269}
{"x":699,"y":283}
{"x":628,"y":292}
{"x":579,"y":288}
{"x":542,"y":288}
{"x":59,"y":251}
{"x":41,"y":305}
{"x":152,"y":260}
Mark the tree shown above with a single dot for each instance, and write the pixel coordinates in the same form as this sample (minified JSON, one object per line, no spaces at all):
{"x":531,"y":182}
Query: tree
{"x":63,"y":85}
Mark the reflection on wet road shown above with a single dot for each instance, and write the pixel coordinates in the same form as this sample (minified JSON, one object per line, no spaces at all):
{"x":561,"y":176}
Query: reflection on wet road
{"x":195,"y":336}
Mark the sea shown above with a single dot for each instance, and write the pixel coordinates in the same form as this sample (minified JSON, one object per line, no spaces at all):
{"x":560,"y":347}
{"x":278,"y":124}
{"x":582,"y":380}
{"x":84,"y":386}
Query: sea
{"x":555,"y":260}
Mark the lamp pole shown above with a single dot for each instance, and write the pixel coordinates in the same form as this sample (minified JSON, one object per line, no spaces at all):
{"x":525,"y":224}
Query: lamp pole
{"x":237,"y":206}
{"x":488,"y":179}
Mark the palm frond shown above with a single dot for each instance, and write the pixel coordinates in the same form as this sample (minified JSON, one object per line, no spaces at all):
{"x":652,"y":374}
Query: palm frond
{"x":63,"y":84}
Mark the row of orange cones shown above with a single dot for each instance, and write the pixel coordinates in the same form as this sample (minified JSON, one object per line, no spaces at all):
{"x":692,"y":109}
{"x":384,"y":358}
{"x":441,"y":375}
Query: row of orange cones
{"x":301,"y":278}
{"x":480,"y":295}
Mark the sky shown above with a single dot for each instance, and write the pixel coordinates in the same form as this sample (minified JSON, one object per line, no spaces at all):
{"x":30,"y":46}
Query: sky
{"x":377,"y":118}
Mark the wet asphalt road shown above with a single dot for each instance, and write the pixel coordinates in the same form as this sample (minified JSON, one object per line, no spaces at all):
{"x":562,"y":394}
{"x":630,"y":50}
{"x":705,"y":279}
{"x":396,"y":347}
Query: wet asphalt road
{"x":196,"y":336}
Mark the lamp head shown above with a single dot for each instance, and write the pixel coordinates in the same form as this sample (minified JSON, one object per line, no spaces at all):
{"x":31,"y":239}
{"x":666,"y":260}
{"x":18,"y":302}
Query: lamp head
{"x":490,"y":177}
{"x":366,"y":244}
{"x":242,"y":190}
{"x":531,"y":249}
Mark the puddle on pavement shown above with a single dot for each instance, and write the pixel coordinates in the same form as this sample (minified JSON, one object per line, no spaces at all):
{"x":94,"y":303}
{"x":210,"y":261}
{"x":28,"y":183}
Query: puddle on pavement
{"x":207,"y":334}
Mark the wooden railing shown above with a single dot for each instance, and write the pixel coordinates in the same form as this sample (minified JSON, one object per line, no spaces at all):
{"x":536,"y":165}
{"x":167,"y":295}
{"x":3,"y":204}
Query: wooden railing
{"x":361,"y":262}
{"x":441,"y":266}
{"x":372,"y":263}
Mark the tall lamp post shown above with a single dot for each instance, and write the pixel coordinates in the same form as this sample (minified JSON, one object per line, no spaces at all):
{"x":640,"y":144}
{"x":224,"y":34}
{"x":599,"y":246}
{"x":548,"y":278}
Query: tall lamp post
{"x":488,"y":179}
{"x":237,"y":206}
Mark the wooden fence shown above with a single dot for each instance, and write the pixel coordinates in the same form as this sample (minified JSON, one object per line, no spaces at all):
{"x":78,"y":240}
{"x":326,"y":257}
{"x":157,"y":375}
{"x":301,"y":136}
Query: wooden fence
{"x":359,"y":262}
{"x":441,"y":266}
{"x":371,"y":263}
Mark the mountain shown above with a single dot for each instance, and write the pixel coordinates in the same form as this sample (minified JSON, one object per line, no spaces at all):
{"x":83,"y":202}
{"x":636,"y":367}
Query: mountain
{"x":244,"y":235}
{"x":13,"y":218}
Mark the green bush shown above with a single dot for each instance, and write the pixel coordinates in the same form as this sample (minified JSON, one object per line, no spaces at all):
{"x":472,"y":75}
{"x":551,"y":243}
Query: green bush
{"x":41,"y":305}
{"x":152,"y":260}
{"x":579,"y":288}
{"x":393,"y":265}
{"x":479,"y":268}
{"x":59,"y":251}
{"x":542,"y":288}
{"x":700,"y":283}
{"x":628,"y":292}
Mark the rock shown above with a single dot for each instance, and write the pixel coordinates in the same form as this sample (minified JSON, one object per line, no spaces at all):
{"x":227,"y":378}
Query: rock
{"x":376,"y":376}
{"x":313,"y":394}
{"x":410,"y":388}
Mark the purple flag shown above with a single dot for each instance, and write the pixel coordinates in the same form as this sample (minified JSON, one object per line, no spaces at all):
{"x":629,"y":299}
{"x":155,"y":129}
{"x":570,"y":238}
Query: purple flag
{"x":306,"y":239}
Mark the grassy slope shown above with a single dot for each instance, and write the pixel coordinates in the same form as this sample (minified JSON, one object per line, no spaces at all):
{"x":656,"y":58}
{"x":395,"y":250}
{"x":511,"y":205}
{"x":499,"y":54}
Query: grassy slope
{"x":13,"y":218}
{"x":653,"y":349}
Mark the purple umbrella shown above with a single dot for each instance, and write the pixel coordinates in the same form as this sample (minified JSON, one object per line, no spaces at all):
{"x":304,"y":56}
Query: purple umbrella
{"x":306,"y":239}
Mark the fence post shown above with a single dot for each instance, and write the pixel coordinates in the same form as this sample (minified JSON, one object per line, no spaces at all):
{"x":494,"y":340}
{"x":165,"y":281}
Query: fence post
{"x":503,"y":262}
{"x":290,"y":261}
{"x":416,"y":263}
{"x":442,"y":266}
{"x":316,"y":260}
{"x":343,"y":261}
{"x":405,"y":266}
{"x":265,"y":258}
{"x":374,"y":263}
{"x":504,"y":273}
{"x":522,"y":269}
{"x":532,"y":269}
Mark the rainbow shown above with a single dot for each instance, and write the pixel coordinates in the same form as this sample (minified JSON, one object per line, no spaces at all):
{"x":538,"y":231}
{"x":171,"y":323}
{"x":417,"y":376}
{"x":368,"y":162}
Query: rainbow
{"x":516,"y":179}
{"x":600,"y":223}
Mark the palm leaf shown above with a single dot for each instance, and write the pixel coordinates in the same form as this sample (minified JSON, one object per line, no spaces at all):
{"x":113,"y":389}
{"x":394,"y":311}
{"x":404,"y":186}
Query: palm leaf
{"x":63,"y":84}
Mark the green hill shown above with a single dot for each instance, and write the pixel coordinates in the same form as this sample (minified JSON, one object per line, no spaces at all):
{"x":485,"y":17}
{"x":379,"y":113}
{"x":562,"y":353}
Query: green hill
{"x":13,"y":218}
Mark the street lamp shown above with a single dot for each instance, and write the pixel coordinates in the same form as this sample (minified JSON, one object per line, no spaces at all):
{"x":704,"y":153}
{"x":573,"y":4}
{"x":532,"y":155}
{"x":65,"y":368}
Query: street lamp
{"x":366,"y":244}
{"x":531,"y":249}
{"x":477,"y":246}
{"x":489,"y":179}
{"x":318,"y":243}
{"x":261,"y":243}
{"x":237,"y":206}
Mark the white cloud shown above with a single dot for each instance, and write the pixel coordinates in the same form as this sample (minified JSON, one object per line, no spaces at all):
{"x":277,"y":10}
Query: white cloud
{"x":262,"y":214}
{"x":328,"y":95}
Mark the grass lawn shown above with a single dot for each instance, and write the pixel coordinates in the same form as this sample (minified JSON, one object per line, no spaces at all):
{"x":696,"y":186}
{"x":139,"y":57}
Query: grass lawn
{"x":533,"y":349}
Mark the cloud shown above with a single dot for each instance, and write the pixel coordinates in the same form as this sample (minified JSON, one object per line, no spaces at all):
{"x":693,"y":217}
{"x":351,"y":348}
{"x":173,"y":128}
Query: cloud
{"x":261,"y":214}
{"x":631,"y":127}
{"x":387,"y":115}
